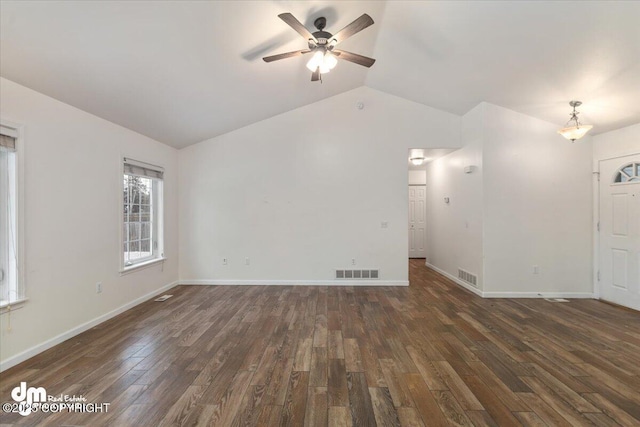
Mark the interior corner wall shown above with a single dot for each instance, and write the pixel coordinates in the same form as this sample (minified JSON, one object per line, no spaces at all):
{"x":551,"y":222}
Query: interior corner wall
{"x":73,"y":182}
{"x":537,"y":208}
{"x":303,"y":193}
{"x":454,"y":229}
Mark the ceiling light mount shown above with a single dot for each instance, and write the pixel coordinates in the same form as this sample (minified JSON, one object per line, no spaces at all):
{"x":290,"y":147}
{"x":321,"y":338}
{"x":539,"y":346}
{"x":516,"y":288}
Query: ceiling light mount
{"x":320,"y":23}
{"x":577,"y":130}
{"x":417,"y":161}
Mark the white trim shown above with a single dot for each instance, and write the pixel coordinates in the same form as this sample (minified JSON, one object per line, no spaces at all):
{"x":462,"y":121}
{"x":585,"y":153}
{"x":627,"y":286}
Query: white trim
{"x":160,"y":227}
{"x":27,"y":354}
{"x":222,"y":282}
{"x":7,"y":307}
{"x":571,"y":295}
{"x":617,"y":156}
{"x":142,"y":265}
{"x":595,"y":253}
{"x":456,"y":280}
{"x":19,"y":128}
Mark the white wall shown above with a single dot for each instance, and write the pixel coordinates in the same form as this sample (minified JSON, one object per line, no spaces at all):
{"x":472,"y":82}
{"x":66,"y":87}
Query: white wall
{"x":303,"y":193}
{"x":417,"y":177}
{"x":616,"y":143}
{"x":72,"y":209}
{"x":454,"y":230}
{"x":537,"y":208}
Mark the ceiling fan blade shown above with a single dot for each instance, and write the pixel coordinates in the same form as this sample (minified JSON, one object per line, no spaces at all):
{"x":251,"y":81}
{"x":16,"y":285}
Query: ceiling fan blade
{"x":285,"y":55}
{"x":365,"y":61}
{"x":315,"y":76}
{"x":296,"y":25}
{"x":355,"y":27}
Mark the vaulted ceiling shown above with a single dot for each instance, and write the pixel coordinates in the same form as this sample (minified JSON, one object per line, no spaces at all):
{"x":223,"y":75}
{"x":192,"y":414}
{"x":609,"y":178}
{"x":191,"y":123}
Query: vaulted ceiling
{"x":182,"y":71}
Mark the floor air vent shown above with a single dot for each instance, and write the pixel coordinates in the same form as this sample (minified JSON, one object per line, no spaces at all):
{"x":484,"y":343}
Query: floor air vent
{"x":471,"y":279}
{"x":357,"y":274}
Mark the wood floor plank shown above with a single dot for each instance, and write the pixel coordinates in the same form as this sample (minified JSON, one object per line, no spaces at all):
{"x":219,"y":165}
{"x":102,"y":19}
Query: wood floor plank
{"x":337,"y":390}
{"x":397,"y":386}
{"x":360,"y":400}
{"x":318,"y":371}
{"x":530,"y":419}
{"x":383,"y":408}
{"x":424,"y":401}
{"x":352,"y":356}
{"x":294,"y":407}
{"x":451,"y":409}
{"x":409,"y":417}
{"x":339,"y":416}
{"x":302,"y":360}
{"x":317,"y":409}
{"x":335,"y":345}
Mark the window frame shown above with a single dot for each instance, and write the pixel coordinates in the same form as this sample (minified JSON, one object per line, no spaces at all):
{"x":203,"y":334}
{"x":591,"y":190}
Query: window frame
{"x":20,"y":215}
{"x":157,"y":211}
{"x":632,"y":179}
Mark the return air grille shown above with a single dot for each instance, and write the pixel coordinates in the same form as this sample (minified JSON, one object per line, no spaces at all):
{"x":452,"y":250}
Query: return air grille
{"x":357,"y":274}
{"x":470,"y":278}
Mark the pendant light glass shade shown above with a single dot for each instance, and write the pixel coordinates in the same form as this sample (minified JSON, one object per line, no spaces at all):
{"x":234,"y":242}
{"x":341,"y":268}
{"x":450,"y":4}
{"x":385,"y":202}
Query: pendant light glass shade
{"x":323,"y":59}
{"x":417,"y":161}
{"x":315,"y":61}
{"x":577,"y":130}
{"x":573,"y":133}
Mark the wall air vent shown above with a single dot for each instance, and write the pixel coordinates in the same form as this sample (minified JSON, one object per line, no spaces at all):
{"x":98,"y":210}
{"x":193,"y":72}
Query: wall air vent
{"x":357,"y":274}
{"x":470,"y":278}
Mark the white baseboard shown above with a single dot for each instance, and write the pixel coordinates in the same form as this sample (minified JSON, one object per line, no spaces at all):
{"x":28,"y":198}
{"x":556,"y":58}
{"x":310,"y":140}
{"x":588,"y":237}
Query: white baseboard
{"x":220,"y":282}
{"x":456,"y":280}
{"x":568,"y":295}
{"x":21,"y":357}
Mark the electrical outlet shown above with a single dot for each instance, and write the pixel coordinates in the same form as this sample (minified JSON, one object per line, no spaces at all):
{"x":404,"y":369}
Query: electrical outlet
{"x":536,"y":269}
{"x":246,"y":261}
{"x":384,"y":224}
{"x":99,"y":288}
{"x":353,"y":261}
{"x":224,"y":261}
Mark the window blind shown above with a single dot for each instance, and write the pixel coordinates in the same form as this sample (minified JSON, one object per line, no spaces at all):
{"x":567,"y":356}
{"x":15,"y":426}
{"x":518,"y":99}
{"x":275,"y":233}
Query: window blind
{"x":7,"y":142}
{"x":134,"y":167}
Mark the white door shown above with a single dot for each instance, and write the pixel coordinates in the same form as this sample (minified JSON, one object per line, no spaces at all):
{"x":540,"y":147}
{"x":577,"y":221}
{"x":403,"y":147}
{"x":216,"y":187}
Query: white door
{"x":417,"y":213}
{"x":620,"y":230}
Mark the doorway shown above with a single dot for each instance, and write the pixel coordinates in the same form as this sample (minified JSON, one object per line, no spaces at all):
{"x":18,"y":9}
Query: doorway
{"x":619,"y":248}
{"x":417,"y":161}
{"x":417,"y":221}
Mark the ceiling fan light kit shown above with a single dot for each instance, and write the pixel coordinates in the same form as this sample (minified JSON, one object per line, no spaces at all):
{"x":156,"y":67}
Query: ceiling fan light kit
{"x":322,"y":45}
{"x":577,"y":130}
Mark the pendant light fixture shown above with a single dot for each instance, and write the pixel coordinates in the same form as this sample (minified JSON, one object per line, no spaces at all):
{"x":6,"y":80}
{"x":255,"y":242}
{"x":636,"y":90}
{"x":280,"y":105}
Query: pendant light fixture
{"x":577,"y":130}
{"x":417,"y":161}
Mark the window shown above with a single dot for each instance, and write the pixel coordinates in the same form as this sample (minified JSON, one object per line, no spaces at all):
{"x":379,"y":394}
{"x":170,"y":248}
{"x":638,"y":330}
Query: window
{"x":142,"y":214}
{"x":628,"y":173}
{"x":11,"y":290}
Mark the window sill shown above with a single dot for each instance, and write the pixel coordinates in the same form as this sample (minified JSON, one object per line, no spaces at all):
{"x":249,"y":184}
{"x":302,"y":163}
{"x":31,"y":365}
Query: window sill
{"x":142,"y":265}
{"x":8,"y":307}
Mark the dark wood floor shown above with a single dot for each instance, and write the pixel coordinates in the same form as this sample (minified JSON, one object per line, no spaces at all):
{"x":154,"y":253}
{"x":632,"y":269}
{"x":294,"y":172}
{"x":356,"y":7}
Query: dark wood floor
{"x":430,"y":354}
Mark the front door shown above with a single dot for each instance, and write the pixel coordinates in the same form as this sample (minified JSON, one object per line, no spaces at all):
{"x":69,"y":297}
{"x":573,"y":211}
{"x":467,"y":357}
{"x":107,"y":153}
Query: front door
{"x":620,"y":230}
{"x":417,"y":213}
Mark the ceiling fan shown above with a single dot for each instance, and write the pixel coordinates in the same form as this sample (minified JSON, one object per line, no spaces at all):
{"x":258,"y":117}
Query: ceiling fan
{"x":322,"y":45}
